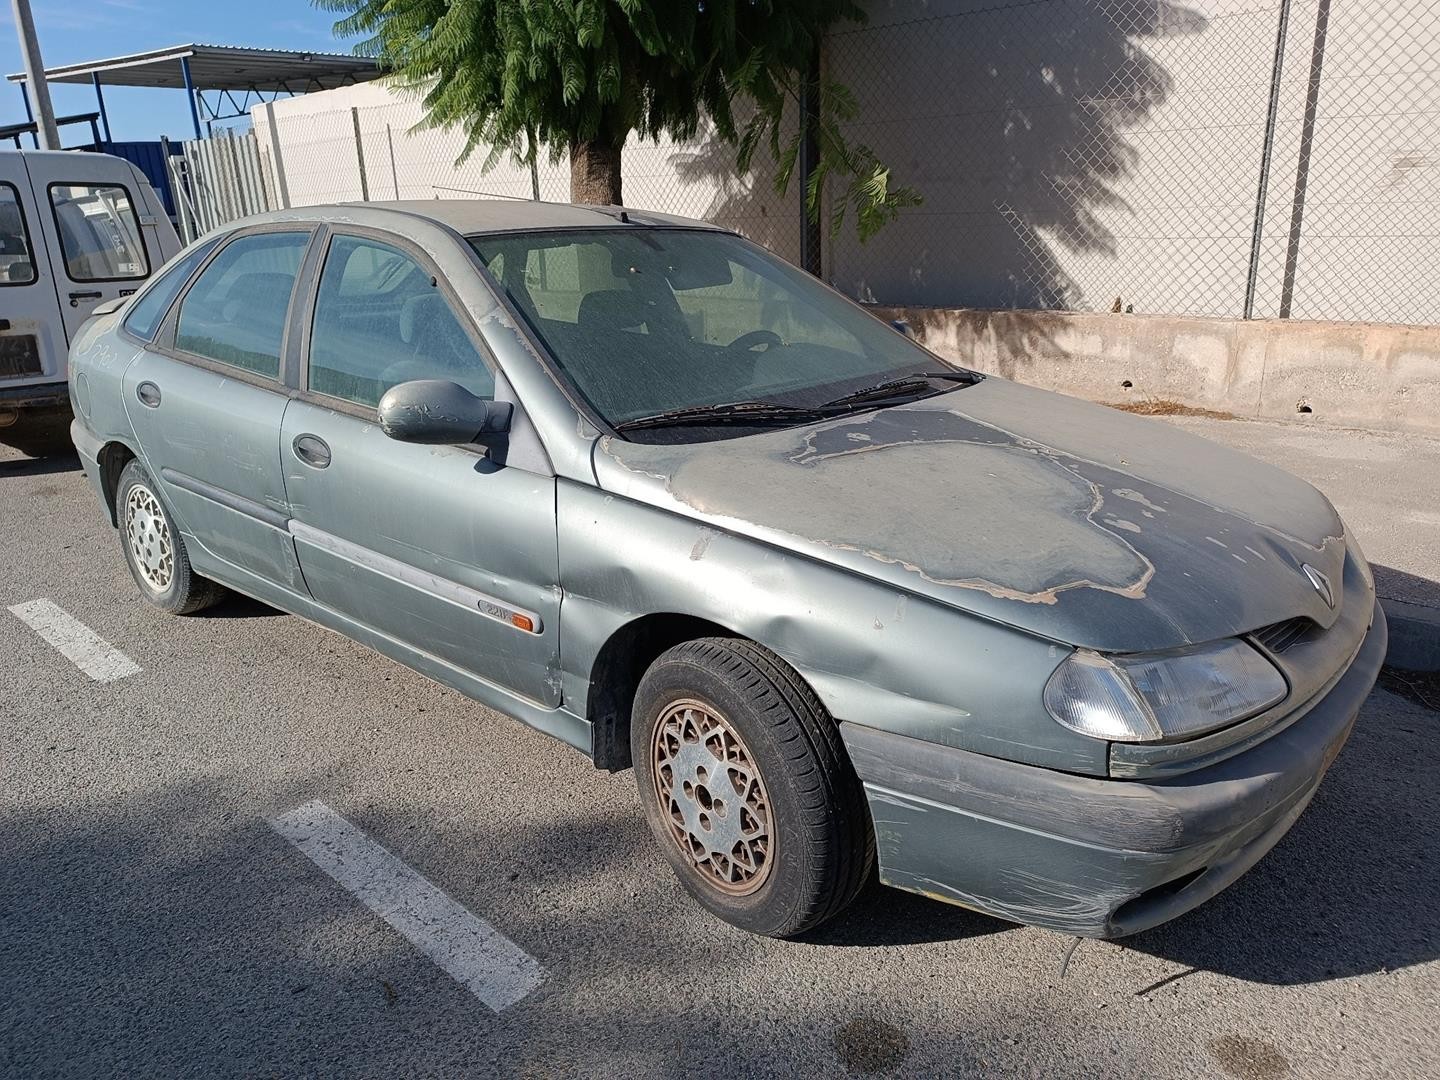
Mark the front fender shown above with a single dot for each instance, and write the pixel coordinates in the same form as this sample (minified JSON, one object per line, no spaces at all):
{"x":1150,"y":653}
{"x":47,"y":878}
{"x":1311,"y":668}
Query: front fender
{"x":874,"y":654}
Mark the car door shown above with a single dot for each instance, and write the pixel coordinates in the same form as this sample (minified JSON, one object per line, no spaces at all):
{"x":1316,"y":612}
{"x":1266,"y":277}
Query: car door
{"x":206,"y":401}
{"x":32,"y":336}
{"x":103,"y":234}
{"x":448,"y":549}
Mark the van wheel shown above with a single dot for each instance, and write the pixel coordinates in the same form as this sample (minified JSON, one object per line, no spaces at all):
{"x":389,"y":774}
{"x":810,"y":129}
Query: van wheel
{"x":154,"y":550}
{"x":747,"y":787}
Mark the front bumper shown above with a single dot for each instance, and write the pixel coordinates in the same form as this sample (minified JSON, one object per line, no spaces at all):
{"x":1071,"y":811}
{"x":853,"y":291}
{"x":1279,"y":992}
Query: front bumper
{"x":1088,"y":856}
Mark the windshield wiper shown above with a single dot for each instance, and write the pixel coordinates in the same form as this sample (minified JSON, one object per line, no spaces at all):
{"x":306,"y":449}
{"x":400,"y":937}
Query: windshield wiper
{"x":760,"y":413}
{"x":906,"y":385}
{"x":730,"y":412}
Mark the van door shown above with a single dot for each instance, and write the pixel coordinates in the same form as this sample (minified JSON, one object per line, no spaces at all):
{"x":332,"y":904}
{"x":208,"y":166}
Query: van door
{"x":32,"y":342}
{"x":103,"y":227}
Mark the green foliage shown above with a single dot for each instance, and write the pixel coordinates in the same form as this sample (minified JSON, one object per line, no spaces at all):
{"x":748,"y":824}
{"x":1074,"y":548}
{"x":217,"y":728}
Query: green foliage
{"x":515,"y":75}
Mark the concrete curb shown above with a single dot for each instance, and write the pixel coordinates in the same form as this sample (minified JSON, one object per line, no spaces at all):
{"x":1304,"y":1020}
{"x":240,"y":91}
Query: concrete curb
{"x":1414,"y":635}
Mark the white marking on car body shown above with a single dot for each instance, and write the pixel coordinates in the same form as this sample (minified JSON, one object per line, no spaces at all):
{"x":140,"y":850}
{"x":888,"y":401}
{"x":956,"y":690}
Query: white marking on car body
{"x":464,"y":946}
{"x":75,"y":641}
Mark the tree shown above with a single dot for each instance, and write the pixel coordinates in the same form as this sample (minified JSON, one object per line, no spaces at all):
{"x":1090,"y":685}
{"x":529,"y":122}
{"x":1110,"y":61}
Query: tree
{"x":579,"y":76}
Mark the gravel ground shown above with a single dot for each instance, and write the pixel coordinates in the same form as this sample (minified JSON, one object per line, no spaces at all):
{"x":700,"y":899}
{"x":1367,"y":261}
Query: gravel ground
{"x":155,"y":925}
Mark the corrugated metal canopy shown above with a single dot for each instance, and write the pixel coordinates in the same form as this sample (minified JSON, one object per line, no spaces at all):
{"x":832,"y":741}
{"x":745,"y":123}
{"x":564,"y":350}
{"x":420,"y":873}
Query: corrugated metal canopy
{"x":221,"y":67}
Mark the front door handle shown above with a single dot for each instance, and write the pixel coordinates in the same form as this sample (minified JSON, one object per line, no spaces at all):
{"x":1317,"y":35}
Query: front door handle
{"x":312,"y":450}
{"x":76,"y":297}
{"x":149,"y":395}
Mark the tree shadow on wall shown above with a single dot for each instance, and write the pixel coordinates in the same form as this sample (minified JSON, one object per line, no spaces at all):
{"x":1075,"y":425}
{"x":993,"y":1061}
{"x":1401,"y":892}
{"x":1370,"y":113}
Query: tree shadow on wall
{"x":1017,"y":124}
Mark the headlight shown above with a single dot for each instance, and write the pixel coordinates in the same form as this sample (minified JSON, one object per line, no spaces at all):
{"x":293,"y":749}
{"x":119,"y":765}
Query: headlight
{"x":1157,"y":697}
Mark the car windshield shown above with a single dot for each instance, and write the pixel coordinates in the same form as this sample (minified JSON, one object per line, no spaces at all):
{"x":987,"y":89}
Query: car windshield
{"x":687,"y":334}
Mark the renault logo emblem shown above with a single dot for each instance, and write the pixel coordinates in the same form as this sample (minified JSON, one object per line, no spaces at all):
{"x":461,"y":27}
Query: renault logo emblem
{"x":1321,"y":583}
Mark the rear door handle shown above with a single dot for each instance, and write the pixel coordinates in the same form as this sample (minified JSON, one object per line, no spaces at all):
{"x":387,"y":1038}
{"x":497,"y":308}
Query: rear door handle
{"x":312,"y":450}
{"x":149,"y":395}
{"x":76,"y":297}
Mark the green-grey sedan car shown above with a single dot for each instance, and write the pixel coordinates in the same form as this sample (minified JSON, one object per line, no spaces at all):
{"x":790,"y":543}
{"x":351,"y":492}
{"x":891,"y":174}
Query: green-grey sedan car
{"x":637,"y":483}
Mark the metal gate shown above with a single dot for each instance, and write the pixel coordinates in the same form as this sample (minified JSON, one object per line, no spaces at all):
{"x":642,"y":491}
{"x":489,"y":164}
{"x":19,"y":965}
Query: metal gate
{"x":218,"y":180}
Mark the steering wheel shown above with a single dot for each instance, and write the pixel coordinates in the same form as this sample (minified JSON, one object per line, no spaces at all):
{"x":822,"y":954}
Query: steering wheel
{"x":756,"y":338}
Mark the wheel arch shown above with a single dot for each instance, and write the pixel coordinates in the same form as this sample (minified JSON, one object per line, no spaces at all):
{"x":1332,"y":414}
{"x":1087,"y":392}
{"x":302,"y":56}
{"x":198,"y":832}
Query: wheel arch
{"x":113,"y":458}
{"x":621,"y":663}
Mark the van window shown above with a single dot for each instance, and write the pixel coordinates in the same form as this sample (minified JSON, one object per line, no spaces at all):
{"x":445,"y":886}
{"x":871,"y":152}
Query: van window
{"x":235,"y":312}
{"x":380,"y":320}
{"x":17,"y":267}
{"x":146,"y":310}
{"x":99,"y":232}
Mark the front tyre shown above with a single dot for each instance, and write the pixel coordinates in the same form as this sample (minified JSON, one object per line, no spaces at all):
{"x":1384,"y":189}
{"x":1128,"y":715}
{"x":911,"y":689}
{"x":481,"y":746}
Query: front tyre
{"x":747,"y":787}
{"x":154,"y":549}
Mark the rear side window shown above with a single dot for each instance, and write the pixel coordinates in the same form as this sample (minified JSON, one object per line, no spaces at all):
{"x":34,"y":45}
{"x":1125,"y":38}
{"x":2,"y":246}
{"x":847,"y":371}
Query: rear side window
{"x":99,"y":232}
{"x":235,"y":312}
{"x":381,"y":320}
{"x":148,"y":310}
{"x":17,"y":266}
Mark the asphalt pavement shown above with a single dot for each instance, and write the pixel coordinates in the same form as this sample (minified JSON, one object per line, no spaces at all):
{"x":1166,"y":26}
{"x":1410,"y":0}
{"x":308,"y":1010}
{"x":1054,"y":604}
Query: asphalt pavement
{"x":154,"y":923}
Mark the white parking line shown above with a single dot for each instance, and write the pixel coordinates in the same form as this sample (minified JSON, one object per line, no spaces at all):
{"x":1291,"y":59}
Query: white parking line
{"x":465,"y":946}
{"x":75,"y":641}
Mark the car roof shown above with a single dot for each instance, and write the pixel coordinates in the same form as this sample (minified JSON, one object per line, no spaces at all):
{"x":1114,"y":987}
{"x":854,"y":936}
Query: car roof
{"x":478,"y":216}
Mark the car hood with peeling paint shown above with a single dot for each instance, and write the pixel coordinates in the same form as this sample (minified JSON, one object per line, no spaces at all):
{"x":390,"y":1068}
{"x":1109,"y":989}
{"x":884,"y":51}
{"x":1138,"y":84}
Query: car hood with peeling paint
{"x":1073,"y":521}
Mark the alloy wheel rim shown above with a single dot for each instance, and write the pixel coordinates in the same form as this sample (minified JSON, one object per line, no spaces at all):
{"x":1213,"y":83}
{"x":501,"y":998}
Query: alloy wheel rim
{"x":712,"y":797}
{"x":149,"y":538}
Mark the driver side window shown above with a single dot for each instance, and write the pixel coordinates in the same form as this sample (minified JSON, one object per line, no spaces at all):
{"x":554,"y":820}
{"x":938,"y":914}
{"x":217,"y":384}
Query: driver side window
{"x":380,"y":320}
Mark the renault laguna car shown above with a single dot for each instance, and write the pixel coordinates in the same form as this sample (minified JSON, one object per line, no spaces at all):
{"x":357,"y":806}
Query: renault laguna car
{"x":641,"y":485}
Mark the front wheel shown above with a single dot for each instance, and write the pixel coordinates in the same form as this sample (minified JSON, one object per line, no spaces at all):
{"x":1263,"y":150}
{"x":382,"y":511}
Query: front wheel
{"x":747,"y":788}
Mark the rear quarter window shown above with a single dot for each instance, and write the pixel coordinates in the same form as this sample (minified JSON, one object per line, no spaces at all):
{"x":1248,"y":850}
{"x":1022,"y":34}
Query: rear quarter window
{"x":147,"y":311}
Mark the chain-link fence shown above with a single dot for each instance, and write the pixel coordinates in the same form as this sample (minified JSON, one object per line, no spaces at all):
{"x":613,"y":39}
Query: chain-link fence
{"x":1099,"y":154}
{"x":1234,"y":158}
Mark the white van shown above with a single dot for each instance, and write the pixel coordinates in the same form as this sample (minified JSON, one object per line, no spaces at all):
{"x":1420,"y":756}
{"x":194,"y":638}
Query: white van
{"x":77,"y":230}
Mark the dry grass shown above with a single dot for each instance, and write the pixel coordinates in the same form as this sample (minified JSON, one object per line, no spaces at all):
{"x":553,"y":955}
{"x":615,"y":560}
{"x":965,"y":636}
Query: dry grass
{"x":1165,"y":407}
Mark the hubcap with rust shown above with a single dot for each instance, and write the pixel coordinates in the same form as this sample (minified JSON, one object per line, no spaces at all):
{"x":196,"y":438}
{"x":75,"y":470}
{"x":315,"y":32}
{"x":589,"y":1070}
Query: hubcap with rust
{"x":149,"y":537}
{"x":712,"y":797}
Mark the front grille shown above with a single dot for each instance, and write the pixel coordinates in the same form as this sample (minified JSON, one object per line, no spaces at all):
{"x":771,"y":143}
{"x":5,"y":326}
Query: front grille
{"x":19,"y":356}
{"x":1281,"y":635}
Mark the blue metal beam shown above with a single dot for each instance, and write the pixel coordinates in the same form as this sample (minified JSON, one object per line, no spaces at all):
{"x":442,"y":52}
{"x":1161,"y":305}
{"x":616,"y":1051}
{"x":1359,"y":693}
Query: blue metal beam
{"x":29,"y":116}
{"x":190,"y":92}
{"x":100,"y":101}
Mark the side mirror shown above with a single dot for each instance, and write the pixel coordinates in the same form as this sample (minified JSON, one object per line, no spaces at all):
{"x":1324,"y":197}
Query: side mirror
{"x":439,"y":412}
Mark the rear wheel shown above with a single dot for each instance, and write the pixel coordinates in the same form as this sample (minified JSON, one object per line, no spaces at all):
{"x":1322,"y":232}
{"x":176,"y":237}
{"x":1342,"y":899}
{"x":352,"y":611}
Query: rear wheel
{"x":155,"y":550}
{"x":747,"y":788}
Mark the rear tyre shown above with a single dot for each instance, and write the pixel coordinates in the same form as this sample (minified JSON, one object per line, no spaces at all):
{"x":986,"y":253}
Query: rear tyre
{"x":154,"y":549}
{"x":747,"y":788}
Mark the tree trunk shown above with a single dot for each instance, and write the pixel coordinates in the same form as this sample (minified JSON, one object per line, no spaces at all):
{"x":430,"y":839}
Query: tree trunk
{"x":595,"y":173}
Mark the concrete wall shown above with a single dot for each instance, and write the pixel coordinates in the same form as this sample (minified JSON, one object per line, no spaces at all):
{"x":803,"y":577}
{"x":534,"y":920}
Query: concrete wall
{"x":1348,"y":373}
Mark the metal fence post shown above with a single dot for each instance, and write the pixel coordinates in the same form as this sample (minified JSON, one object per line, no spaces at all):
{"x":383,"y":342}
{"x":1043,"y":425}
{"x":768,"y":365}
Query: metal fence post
{"x":277,"y":163}
{"x":360,"y":156}
{"x":1302,"y":168}
{"x":394,"y":173}
{"x":1257,"y":232}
